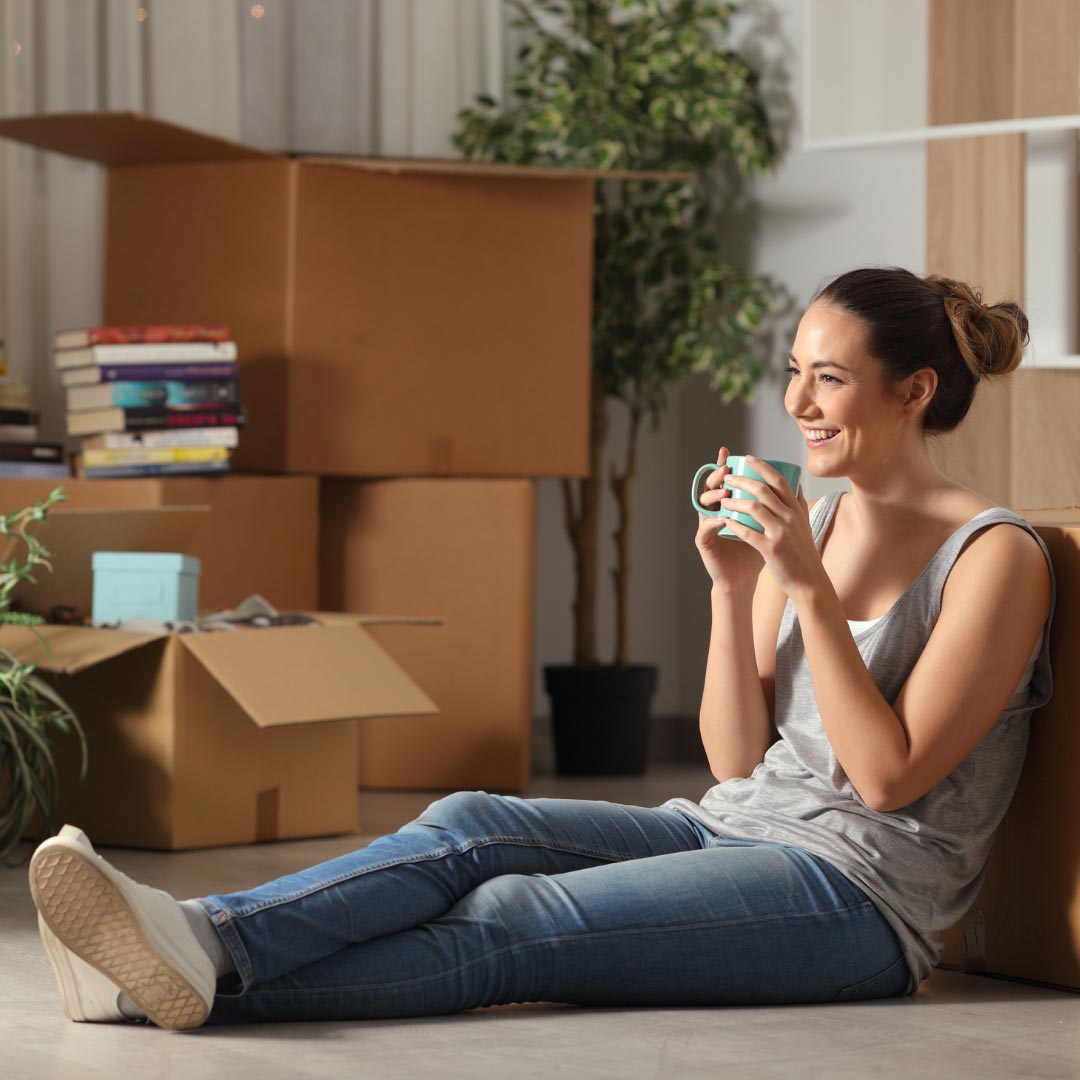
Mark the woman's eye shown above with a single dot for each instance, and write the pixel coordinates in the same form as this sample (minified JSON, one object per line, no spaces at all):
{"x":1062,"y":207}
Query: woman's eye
{"x":795,"y":371}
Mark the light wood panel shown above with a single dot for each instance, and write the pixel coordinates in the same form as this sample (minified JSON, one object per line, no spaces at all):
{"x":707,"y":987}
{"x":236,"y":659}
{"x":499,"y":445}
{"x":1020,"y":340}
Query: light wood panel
{"x":1047,"y":58}
{"x":975,"y":232}
{"x":972,"y":60}
{"x":1045,"y":437}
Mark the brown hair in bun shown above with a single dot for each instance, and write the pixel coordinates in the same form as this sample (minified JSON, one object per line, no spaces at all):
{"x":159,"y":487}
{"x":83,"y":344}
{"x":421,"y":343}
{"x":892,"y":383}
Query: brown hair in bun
{"x":937,"y":322}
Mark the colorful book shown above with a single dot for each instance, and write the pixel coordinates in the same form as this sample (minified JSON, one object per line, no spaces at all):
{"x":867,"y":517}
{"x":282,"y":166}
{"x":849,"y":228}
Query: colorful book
{"x":133,"y":395}
{"x":157,"y":469}
{"x":28,"y":470}
{"x":134,"y":335}
{"x":93,"y":375}
{"x":96,"y":421}
{"x":228,"y":437}
{"x":152,"y":455}
{"x":194,"y":352}
{"x":21,"y":451}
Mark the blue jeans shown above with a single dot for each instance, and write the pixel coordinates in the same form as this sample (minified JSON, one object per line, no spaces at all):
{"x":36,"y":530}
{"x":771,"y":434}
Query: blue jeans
{"x":490,"y":899}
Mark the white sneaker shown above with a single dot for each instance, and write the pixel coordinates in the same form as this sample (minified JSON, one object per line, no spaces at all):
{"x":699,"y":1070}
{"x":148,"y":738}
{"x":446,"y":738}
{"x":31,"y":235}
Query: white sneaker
{"x":135,"y":937}
{"x":85,"y":993}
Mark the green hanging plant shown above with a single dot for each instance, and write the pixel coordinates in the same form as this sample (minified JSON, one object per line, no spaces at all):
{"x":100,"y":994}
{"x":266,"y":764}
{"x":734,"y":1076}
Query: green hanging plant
{"x":30,"y":709}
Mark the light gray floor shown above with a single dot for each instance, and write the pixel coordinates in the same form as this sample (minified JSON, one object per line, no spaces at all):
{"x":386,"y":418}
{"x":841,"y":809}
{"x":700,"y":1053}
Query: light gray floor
{"x":956,"y":1026}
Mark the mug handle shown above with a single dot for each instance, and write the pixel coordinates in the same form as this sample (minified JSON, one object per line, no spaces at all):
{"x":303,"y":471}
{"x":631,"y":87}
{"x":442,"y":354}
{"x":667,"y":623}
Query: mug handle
{"x":708,"y":467}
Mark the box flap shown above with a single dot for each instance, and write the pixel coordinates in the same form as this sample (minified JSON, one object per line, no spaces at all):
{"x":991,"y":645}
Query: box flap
{"x":458,"y":166}
{"x":302,"y":674}
{"x":73,"y":535}
{"x":70,"y":649}
{"x":123,"y":138}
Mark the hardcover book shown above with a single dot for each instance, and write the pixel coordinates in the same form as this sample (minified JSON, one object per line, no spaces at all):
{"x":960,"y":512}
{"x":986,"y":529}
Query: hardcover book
{"x":136,"y":394}
{"x":157,"y":469}
{"x":153,"y":455}
{"x":194,"y":352}
{"x":121,"y":335}
{"x":95,"y":374}
{"x":95,"y":421}
{"x":228,"y":437}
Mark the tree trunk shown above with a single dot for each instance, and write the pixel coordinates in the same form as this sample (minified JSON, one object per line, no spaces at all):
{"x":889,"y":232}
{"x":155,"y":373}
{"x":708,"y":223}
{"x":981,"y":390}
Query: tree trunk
{"x":621,"y":486}
{"x":583,"y":528}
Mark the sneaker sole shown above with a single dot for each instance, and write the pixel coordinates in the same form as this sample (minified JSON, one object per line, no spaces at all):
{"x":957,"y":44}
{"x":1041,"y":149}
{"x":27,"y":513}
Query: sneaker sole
{"x":89,"y":915}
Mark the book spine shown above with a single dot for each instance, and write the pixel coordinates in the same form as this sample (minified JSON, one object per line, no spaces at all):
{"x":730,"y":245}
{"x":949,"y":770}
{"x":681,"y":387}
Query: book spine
{"x":157,"y":469}
{"x":212,"y":391}
{"x":134,"y":335}
{"x":128,"y":395}
{"x":227,"y":437}
{"x":43,"y":452}
{"x":156,"y":373}
{"x":206,"y":416}
{"x":28,"y":469}
{"x":173,"y":352}
{"x":151,"y":455}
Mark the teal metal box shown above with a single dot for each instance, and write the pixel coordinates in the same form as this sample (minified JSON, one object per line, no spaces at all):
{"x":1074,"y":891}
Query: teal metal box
{"x":146,"y":585}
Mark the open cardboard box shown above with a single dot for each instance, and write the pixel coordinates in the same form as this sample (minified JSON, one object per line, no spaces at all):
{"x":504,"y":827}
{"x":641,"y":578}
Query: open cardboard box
{"x":393,"y":317}
{"x":226,"y":737}
{"x":1025,"y":922}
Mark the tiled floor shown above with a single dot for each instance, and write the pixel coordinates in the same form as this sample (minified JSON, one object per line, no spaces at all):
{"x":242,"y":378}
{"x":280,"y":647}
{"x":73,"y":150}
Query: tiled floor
{"x":956,"y":1026}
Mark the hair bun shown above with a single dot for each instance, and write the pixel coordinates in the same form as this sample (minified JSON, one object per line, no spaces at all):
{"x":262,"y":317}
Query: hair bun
{"x":990,"y":337}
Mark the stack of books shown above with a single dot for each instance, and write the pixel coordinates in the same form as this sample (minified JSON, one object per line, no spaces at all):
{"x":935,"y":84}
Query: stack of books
{"x":151,"y":400}
{"x":22,"y":454}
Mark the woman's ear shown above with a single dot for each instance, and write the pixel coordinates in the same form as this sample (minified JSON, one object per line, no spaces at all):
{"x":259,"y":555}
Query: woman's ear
{"x":920,"y":390}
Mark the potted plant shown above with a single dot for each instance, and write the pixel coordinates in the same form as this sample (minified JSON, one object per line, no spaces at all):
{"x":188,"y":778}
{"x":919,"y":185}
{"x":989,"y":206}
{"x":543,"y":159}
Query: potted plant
{"x":29,"y":707}
{"x":645,"y":85}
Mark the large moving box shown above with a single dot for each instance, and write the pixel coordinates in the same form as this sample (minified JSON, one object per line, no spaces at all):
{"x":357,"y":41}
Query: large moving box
{"x":1025,"y":922}
{"x":202,"y":739}
{"x":393,"y":317}
{"x":261,"y":534}
{"x":462,"y":551}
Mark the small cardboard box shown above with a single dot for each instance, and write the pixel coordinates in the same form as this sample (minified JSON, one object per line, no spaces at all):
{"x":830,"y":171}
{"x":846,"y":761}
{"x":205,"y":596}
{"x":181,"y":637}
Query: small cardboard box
{"x":469,"y":563}
{"x":393,"y":317}
{"x":1025,"y":921}
{"x":203,"y":739}
{"x":260,"y":534}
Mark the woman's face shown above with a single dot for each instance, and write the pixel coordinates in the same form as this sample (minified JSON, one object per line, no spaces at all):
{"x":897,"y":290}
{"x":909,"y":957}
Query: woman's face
{"x":845,"y":394}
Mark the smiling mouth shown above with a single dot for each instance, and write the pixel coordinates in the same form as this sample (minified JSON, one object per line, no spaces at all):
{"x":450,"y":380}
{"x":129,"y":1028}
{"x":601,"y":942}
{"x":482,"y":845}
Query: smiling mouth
{"x":823,"y":435}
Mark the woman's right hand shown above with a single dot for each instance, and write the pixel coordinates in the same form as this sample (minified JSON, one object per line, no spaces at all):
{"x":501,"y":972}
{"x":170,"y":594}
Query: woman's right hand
{"x":731,"y":563}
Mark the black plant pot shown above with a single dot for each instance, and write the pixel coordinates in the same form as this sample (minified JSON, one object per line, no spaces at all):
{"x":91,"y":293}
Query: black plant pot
{"x":600,"y":717}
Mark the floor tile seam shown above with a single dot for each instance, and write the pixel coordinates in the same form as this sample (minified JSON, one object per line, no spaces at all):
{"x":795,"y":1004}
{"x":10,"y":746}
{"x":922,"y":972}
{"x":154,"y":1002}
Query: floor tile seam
{"x":530,"y":943}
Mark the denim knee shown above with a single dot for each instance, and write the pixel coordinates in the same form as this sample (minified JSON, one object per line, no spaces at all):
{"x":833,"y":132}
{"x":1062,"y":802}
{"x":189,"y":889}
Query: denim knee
{"x":462,"y":813}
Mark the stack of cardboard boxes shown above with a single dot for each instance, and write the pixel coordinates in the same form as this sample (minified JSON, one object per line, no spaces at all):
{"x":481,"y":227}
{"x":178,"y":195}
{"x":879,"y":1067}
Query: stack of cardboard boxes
{"x":414,"y":348}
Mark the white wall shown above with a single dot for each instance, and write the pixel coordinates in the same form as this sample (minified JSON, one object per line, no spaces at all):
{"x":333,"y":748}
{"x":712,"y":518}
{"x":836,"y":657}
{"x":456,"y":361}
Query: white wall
{"x":820,"y":214}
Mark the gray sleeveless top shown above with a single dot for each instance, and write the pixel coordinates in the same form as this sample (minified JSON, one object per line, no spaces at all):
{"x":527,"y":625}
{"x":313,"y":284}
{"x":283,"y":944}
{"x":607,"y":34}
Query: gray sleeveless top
{"x":923,"y":864}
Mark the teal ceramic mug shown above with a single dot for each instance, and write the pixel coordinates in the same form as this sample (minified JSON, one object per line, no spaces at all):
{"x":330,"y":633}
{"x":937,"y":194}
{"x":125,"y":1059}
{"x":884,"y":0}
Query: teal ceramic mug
{"x":788,"y":470}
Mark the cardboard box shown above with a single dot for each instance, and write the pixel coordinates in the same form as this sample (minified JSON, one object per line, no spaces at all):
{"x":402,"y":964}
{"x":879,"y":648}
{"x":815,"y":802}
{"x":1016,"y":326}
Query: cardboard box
{"x":1025,"y":921}
{"x":462,"y":551}
{"x":261,"y":534}
{"x":197,"y":740}
{"x":393,"y":317}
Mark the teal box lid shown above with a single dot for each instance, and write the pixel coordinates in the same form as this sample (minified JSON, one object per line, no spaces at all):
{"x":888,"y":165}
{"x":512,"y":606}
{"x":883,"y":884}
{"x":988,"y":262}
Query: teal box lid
{"x":143,"y":561}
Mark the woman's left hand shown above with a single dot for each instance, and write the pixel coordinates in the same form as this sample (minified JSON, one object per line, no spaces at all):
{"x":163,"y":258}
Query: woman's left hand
{"x":787,"y":545}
